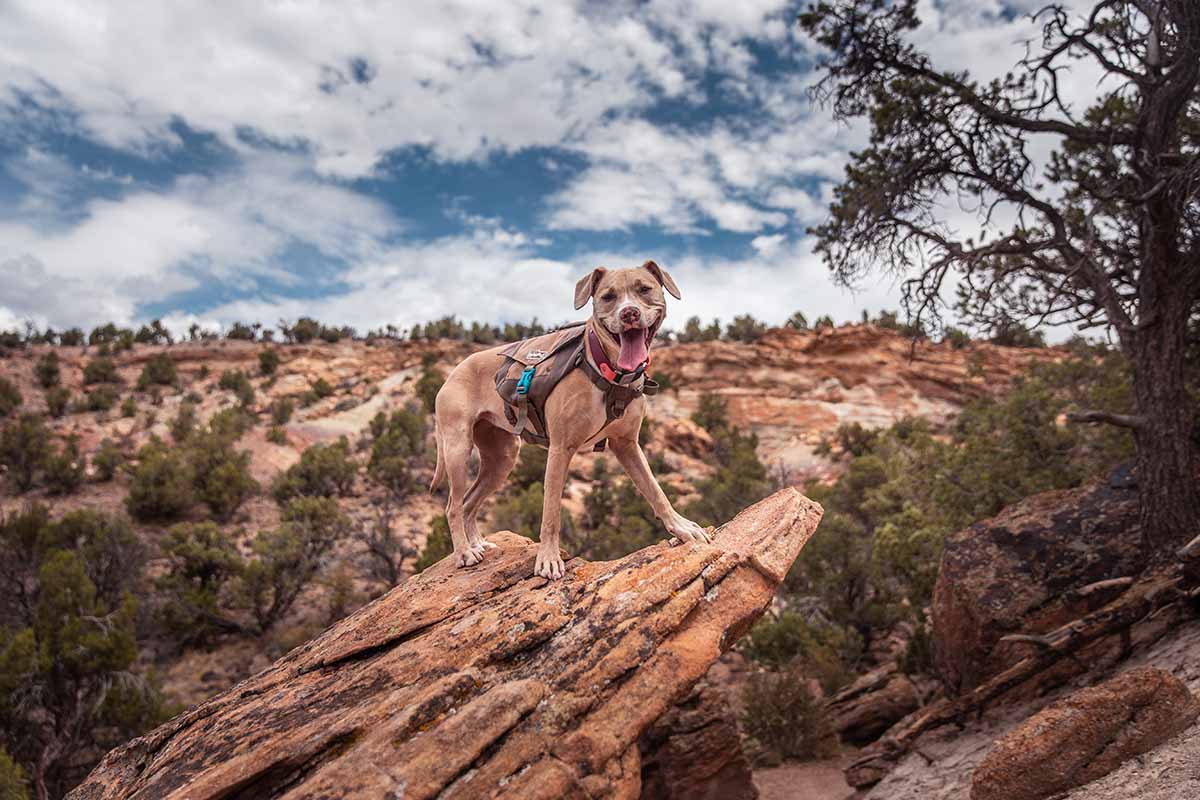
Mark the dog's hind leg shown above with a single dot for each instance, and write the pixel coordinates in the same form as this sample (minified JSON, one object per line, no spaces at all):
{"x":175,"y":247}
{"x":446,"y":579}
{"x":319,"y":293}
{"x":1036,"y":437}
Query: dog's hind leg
{"x":498,"y":451}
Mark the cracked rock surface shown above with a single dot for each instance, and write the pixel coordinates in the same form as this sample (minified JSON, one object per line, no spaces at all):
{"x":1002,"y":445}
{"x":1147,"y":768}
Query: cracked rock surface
{"x":479,"y":682}
{"x":1086,"y":736}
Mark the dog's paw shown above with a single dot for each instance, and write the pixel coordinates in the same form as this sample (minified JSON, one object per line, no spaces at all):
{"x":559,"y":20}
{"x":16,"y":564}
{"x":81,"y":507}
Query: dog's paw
{"x":549,"y":565}
{"x":468,"y":558}
{"x":486,"y":545}
{"x":687,"y":531}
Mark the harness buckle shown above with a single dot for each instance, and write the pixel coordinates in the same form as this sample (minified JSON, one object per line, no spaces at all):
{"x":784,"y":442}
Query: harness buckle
{"x":524,"y":381}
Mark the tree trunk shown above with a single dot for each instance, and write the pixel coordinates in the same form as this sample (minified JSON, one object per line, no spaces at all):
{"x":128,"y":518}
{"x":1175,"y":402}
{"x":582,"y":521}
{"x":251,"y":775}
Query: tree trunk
{"x":1166,"y":457}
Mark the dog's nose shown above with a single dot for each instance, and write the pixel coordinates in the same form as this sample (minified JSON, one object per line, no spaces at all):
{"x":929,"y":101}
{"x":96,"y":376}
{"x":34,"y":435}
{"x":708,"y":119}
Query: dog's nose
{"x":630,"y":315}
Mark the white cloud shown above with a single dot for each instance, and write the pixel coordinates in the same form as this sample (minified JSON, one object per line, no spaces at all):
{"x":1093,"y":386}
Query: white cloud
{"x":233,"y":229}
{"x":463,"y":78}
{"x":353,"y":82}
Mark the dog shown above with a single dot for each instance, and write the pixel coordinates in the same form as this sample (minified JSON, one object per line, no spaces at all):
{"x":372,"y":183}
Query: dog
{"x":628,"y":308}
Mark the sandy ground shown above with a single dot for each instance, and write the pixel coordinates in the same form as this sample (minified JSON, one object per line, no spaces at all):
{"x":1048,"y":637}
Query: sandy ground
{"x":809,"y":780}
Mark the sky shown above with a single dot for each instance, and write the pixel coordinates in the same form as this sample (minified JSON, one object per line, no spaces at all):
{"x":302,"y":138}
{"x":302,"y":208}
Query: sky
{"x":388,"y":163}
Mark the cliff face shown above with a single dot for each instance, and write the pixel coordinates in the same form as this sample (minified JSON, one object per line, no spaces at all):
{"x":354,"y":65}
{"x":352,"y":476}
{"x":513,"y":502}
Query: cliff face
{"x":794,"y":387}
{"x":481,"y":682}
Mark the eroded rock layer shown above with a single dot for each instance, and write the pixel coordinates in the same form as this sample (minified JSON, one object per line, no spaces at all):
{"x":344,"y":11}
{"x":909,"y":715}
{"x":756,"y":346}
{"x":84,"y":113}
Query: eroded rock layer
{"x":482,"y":682}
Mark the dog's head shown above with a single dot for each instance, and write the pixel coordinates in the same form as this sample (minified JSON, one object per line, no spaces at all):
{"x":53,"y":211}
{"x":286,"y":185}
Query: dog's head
{"x":628,"y":308}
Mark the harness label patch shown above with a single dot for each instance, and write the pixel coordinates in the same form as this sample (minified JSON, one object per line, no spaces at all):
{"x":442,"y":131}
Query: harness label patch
{"x":536,"y":355}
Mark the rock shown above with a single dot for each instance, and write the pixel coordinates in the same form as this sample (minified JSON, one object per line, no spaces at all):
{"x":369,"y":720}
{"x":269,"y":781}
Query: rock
{"x":1086,"y":736}
{"x":482,"y":682}
{"x":684,"y":436}
{"x":1018,"y":572}
{"x":694,"y":752}
{"x":866,"y":708}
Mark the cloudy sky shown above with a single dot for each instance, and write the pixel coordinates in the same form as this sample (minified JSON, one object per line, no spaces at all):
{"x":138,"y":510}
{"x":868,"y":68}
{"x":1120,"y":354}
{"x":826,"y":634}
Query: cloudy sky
{"x":374,"y":163}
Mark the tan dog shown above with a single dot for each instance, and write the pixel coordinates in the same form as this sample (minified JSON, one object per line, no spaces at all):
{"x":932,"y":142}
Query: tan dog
{"x":627,"y":310}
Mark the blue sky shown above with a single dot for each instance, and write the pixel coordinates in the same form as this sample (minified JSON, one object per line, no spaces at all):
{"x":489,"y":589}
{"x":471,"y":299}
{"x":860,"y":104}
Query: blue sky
{"x":371,"y":164}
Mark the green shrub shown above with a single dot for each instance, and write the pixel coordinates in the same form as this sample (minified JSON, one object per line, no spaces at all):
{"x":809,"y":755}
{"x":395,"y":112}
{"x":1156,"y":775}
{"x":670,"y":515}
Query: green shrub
{"x":184,"y":423}
{"x":664,"y":380}
{"x":71,"y":338}
{"x":107,"y":460}
{"x":67,"y":646}
{"x":237,"y":382}
{"x":282,"y":410}
{"x":958,"y":339}
{"x":429,"y":384}
{"x":615,"y":519}
{"x":47,"y":370}
{"x":129,"y":407}
{"x":201,"y":563}
{"x":395,"y":449}
{"x":277,"y":435}
{"x":797,"y":321}
{"x":158,"y":371}
{"x":102,"y":398}
{"x":100,"y":370}
{"x":161,"y":486}
{"x":10,"y":397}
{"x":823,"y":652}
{"x":745,"y":328}
{"x":288,"y":558}
{"x":220,"y":473}
{"x":64,"y":470}
{"x":13,"y":783}
{"x":740,"y":480}
{"x":323,"y":471}
{"x":24,"y":450}
{"x":57,"y":401}
{"x":712,"y":412}
{"x":321,"y":388}
{"x":268,"y":360}
{"x":437,"y":544}
{"x":782,"y":715}
{"x":693,"y":331}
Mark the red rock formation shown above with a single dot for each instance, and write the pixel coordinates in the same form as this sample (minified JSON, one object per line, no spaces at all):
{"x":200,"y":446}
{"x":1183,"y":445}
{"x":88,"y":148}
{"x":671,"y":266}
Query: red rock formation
{"x":481,"y":682}
{"x":1085,"y":736}
{"x":1020,"y":572}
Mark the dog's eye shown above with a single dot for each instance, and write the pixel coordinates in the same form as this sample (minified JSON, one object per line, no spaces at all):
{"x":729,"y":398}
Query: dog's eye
{"x":644,"y":289}
{"x":608,"y":297}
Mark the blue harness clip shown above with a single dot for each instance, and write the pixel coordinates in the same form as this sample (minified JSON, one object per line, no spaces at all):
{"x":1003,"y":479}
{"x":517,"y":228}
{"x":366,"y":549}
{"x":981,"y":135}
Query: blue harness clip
{"x":525,"y":380}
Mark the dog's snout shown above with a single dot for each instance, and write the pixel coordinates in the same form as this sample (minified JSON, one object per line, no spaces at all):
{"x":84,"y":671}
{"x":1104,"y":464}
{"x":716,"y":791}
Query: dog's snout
{"x":630,"y":315}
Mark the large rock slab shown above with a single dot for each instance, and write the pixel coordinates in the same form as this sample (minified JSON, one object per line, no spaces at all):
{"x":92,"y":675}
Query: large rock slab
{"x":1086,"y":736}
{"x":482,"y":682}
{"x":866,"y":708}
{"x":694,"y":751}
{"x":1019,"y":572}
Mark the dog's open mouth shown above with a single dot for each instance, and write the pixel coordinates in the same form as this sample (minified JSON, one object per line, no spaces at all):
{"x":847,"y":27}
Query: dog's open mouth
{"x":635,"y":346}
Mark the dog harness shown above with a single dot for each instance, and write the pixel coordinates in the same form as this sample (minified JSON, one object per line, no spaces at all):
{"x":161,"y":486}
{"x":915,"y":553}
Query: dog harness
{"x":533,"y":367}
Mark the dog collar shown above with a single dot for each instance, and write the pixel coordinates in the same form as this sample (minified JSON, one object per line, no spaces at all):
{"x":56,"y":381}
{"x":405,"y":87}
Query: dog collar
{"x":605,"y":366}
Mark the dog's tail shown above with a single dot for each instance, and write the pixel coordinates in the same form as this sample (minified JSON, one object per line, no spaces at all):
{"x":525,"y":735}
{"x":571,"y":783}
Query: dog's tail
{"x":439,"y":469}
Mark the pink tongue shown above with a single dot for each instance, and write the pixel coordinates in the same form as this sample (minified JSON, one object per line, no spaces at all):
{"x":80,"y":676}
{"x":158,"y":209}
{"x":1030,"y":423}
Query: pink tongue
{"x":633,"y":349}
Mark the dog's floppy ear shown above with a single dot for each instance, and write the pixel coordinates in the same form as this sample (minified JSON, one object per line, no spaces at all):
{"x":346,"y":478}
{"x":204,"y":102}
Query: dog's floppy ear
{"x":587,"y":286}
{"x":663,"y":276}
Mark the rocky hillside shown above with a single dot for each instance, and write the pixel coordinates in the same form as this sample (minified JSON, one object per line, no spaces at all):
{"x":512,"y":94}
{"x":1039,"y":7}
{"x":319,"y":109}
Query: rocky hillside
{"x":209,"y":614}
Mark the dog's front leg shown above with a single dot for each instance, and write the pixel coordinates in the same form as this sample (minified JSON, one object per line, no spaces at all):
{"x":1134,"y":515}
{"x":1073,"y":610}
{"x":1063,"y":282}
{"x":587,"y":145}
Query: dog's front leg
{"x":633,"y":459}
{"x":549,"y":562}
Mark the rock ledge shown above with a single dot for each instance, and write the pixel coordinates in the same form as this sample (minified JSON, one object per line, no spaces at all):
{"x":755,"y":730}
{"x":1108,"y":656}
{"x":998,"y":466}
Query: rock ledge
{"x":478,"y":683}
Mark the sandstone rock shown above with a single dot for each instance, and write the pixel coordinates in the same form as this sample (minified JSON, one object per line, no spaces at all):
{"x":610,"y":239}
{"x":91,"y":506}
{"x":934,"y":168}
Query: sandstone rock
{"x":684,"y":436}
{"x":1017,"y":572}
{"x":1085,"y":736}
{"x":694,"y":752}
{"x":482,"y":682}
{"x":866,"y":708}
